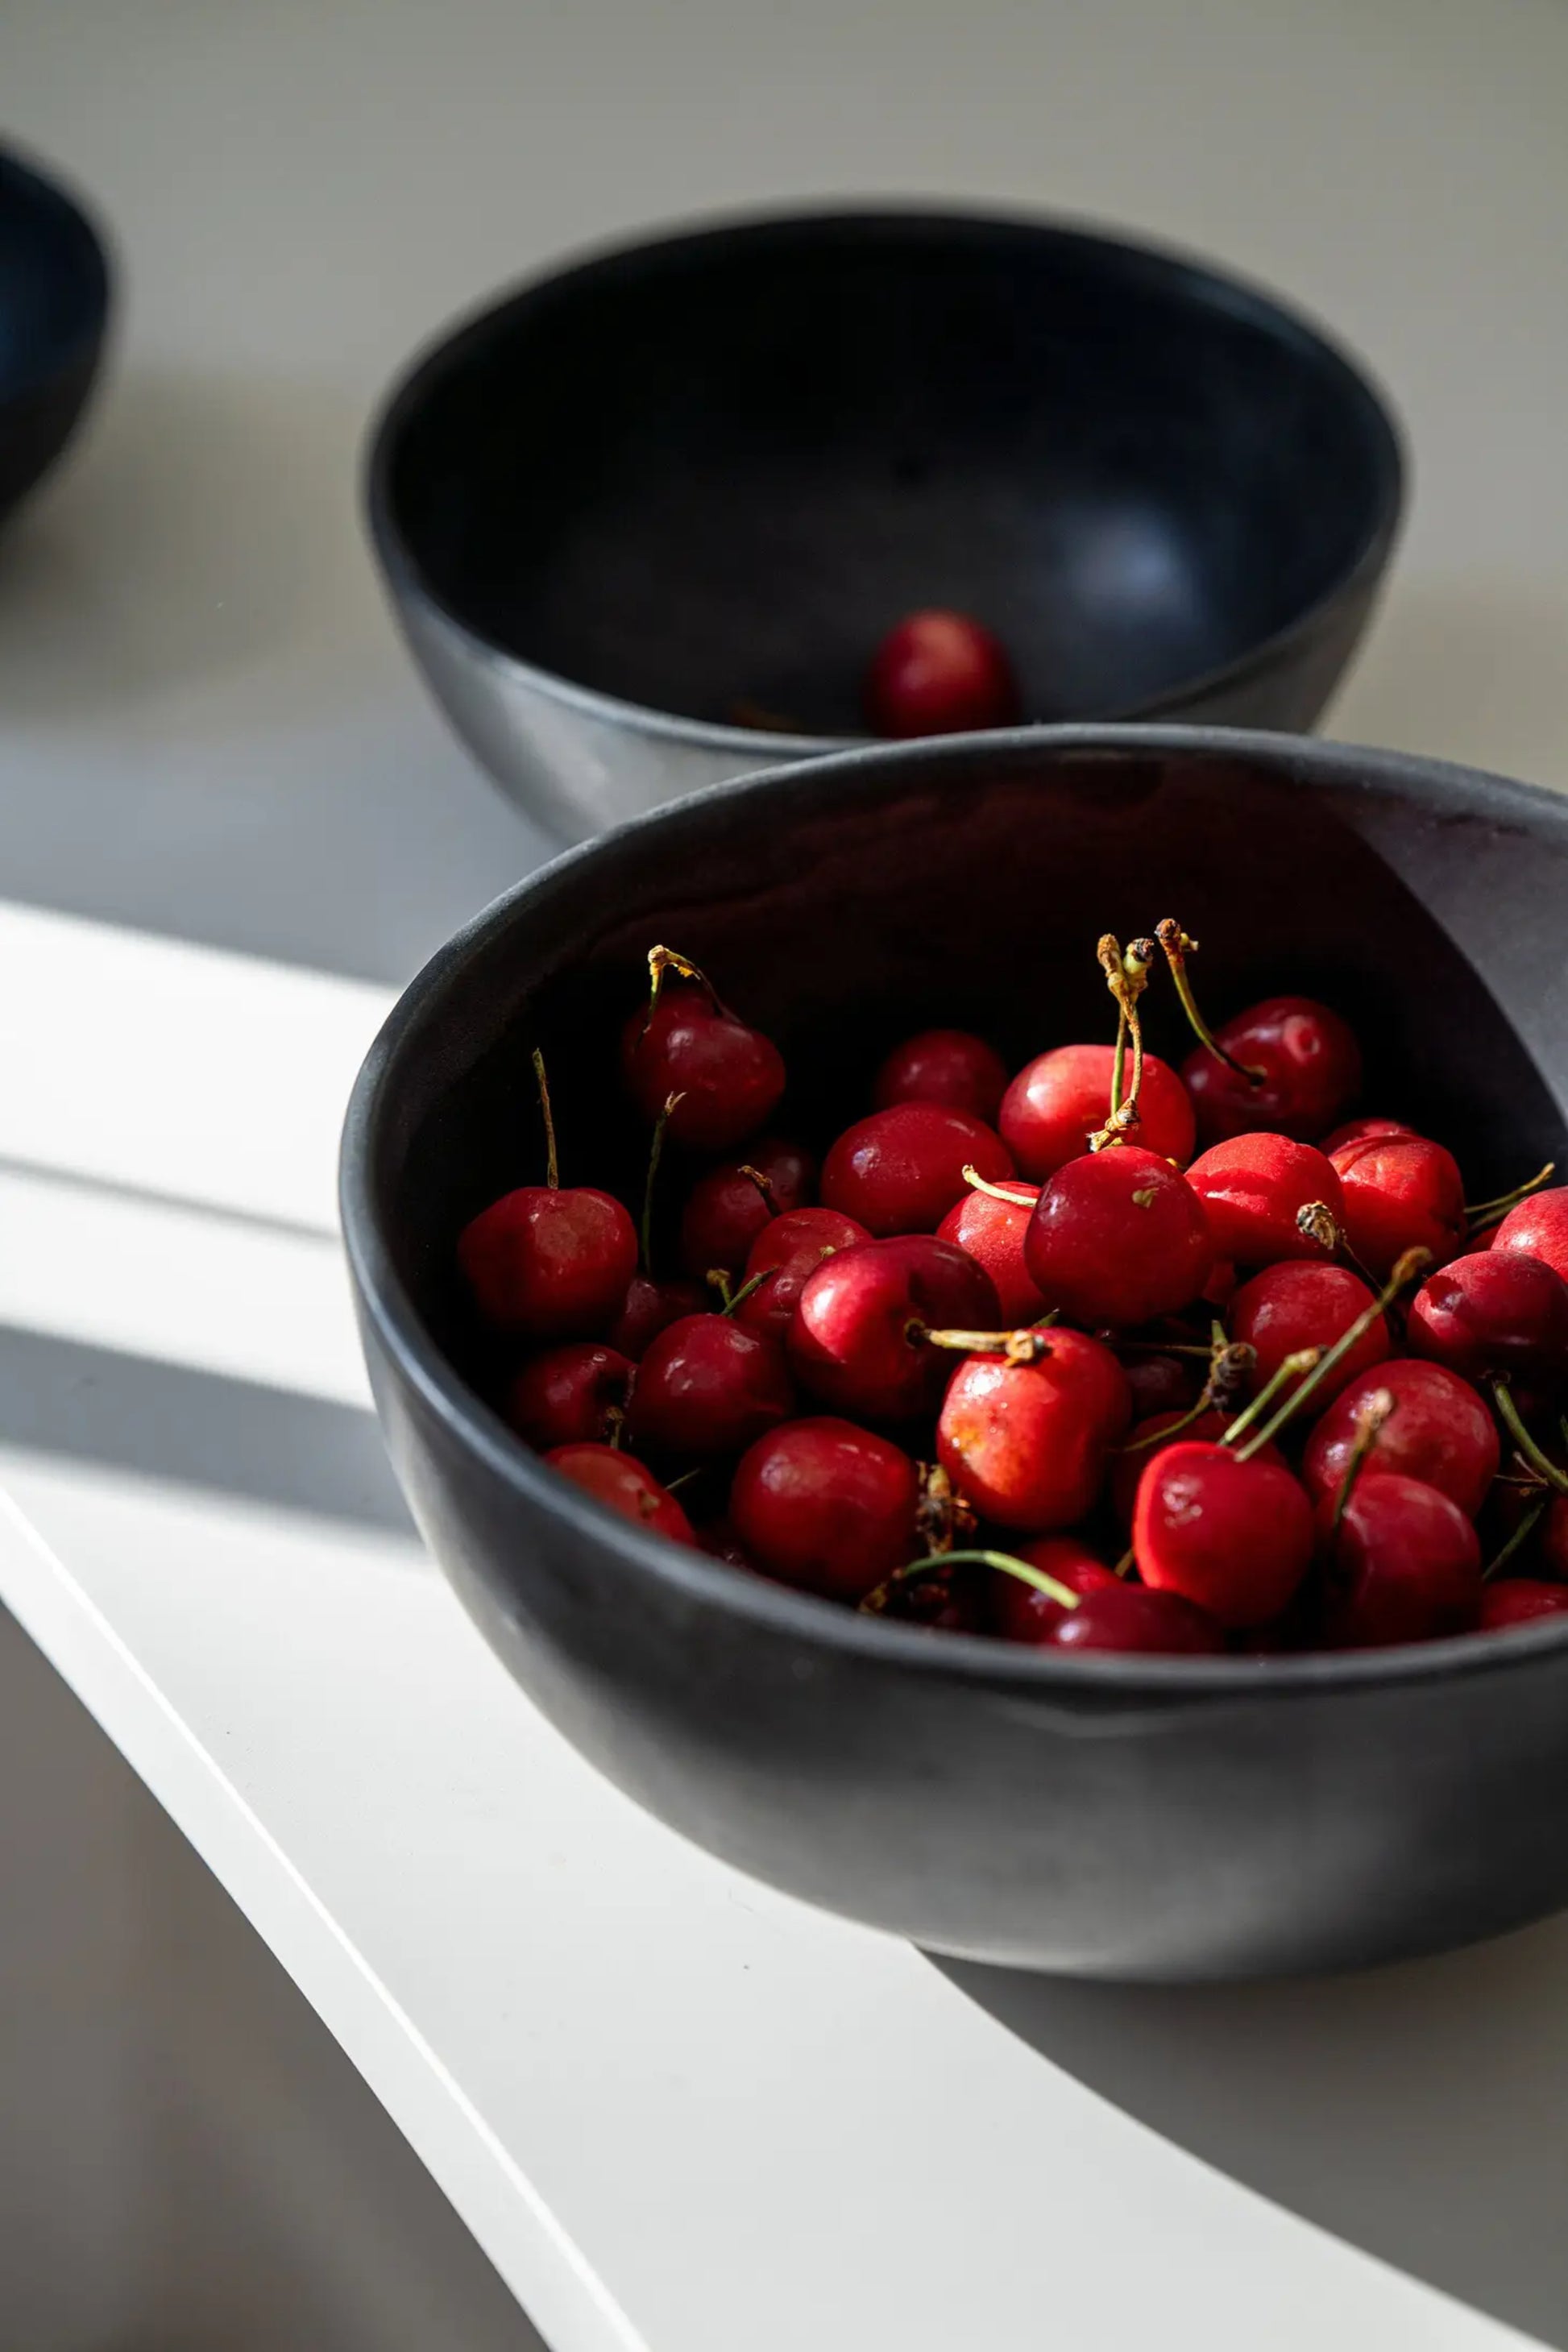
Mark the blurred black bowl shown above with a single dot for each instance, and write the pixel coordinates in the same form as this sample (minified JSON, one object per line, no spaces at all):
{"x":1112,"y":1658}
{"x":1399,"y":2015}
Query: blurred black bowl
{"x":54,"y":312}
{"x":1104,"y":1815}
{"x":709,"y":471}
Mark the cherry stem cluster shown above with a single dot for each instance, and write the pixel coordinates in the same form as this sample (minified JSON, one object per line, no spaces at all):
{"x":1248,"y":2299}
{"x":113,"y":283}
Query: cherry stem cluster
{"x":552,"y":1164}
{"x":1413,"y":1263}
{"x":730,"y":1299}
{"x":1230,"y":1360}
{"x":1538,"y":1461}
{"x":1178,"y":947}
{"x":876,"y":1602}
{"x":1126,"y":976}
{"x":1485,"y":1213}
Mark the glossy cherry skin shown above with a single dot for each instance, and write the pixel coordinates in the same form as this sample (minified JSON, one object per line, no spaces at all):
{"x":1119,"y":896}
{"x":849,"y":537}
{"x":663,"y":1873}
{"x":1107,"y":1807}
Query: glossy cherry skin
{"x":625,"y":1485}
{"x":728,"y":1075}
{"x":1519,"y":1600}
{"x":1356,"y":1131}
{"x":1401,"y":1191}
{"x":570,"y":1395}
{"x":649,"y":1308}
{"x":1234,"y":1538}
{"x":1439,"y":1432}
{"x":787,"y":1253}
{"x":550,"y":1262}
{"x":1493,"y":1311}
{"x":943,"y":1065}
{"x":825,"y":1506}
{"x":1156,"y":1434}
{"x":1290,"y":1307}
{"x":1028,"y":1444}
{"x":993,"y":1232}
{"x":1310,"y":1066}
{"x":708,"y":1387}
{"x":1162,"y":1383}
{"x":1061,"y":1098}
{"x":1404,"y":1565}
{"x":1537,"y":1228}
{"x":726,"y":1210}
{"x":939,"y":673}
{"x":900,"y":1171}
{"x":1254,"y":1187}
{"x":856,"y":1340}
{"x":1019,"y":1612}
{"x":1135,"y":1618}
{"x":1117,"y":1238}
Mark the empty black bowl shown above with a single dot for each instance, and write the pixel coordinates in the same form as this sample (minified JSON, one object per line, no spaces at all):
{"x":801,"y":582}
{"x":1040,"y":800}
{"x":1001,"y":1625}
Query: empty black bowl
{"x":1116,"y":1816}
{"x":711,"y":470}
{"x":53,"y":310}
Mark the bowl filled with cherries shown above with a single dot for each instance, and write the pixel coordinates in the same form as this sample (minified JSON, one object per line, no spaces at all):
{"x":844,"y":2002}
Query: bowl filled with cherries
{"x":1048,"y":1439}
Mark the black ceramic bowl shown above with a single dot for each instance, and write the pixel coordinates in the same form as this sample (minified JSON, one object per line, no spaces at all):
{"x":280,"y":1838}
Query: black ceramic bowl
{"x":1116,"y":1816}
{"x":715,"y":467}
{"x":53,"y":310}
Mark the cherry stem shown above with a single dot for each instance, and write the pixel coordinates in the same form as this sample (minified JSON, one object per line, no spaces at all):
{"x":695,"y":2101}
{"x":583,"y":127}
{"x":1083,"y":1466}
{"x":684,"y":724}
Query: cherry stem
{"x":674,"y":1485}
{"x":1510,"y":1415}
{"x":732,"y":1299}
{"x":1062,"y":1594}
{"x":764,"y":1185}
{"x":941,"y":1511}
{"x":1229,"y":1361}
{"x":979,"y":1183}
{"x":655,"y":1154}
{"x":663,"y":960}
{"x":616,"y":1423}
{"x":1315,"y":1223}
{"x":1178,"y":946}
{"x":1126,"y":976}
{"x":1016,"y":1347}
{"x":1519,"y":1537}
{"x":1412,"y":1262}
{"x":1305,"y":1359}
{"x":552,"y":1164}
{"x":1124,"y":1567}
{"x":1482,"y":1214}
{"x":1369,"y":1421}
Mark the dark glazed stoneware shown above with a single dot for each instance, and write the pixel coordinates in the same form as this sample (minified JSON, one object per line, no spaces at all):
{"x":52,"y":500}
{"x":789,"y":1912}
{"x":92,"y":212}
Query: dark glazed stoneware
{"x":54,"y":308}
{"x":721,"y":465}
{"x":1155,"y":1818}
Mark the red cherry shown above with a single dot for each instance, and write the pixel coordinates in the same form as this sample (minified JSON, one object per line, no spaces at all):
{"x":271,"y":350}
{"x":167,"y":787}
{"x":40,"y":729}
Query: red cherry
{"x":1356,"y":1131}
{"x":1222,"y":1285}
{"x":787,"y":1253}
{"x":1027,"y":1444}
{"x":1061,"y":1098}
{"x":706,"y":1387}
{"x":939,"y":673}
{"x":1310,"y":1066}
{"x":551,"y":1262}
{"x":1254,"y":1188}
{"x":901,"y":1170}
{"x":649,"y":1309}
{"x":1494,"y":1311}
{"x":826,"y":1506}
{"x":1405,"y":1565}
{"x":571,"y":1394}
{"x":1537,"y":1228}
{"x":1401,"y":1191}
{"x":993,"y":1231}
{"x":625,"y":1485}
{"x":1161,"y":1384}
{"x":1023,"y":1614}
{"x":1234,"y":1536}
{"x":730,"y":1076}
{"x":1119,"y":1237}
{"x":1439,"y":1432}
{"x":1291,"y":1306}
{"x":947,"y":1067}
{"x":857,"y":1338}
{"x":727,"y":1209}
{"x":1518,"y":1600}
{"x":1148,"y":1438}
{"x":1159,"y":1624}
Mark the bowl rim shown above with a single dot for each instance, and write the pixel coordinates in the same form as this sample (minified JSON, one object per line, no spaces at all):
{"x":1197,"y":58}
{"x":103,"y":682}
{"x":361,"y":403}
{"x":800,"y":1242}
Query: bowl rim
{"x":454,"y":345}
{"x":780,"y":1610}
{"x":45,"y":193}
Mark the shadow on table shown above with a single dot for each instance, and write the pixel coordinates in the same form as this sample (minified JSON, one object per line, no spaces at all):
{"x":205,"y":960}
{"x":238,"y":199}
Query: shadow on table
{"x":199,"y":1429}
{"x":1420,"y":2112}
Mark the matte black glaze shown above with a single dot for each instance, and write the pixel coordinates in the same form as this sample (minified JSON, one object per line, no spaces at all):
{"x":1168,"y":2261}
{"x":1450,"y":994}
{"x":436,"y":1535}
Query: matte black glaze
{"x":1119,"y":1817}
{"x":54,"y":308}
{"x":720,"y":466}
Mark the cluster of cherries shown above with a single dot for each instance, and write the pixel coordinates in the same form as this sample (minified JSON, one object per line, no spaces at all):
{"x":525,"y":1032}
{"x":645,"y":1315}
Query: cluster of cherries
{"x":1021,"y":1358}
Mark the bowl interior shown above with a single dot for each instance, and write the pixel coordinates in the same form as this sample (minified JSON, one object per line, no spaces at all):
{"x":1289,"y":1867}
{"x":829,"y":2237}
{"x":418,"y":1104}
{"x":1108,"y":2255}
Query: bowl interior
{"x":54,"y":282}
{"x":855,"y":900}
{"x":713,"y":471}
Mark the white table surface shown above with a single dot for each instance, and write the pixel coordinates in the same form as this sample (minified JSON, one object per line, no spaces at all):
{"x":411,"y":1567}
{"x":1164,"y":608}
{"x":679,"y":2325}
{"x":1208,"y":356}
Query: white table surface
{"x":678,"y":2110}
